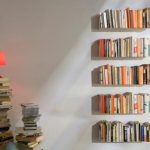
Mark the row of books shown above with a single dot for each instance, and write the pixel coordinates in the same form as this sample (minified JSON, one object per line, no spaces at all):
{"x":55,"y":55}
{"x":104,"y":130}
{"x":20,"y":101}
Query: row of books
{"x":30,"y":135}
{"x":127,"y":47}
{"x":124,"y":75}
{"x":5,"y":105}
{"x":126,"y":103}
{"x":127,"y":18}
{"x":116,"y":131}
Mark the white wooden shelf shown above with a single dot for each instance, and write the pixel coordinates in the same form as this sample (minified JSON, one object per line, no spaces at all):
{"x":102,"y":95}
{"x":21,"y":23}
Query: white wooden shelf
{"x":119,"y":29}
{"x":117,"y":58}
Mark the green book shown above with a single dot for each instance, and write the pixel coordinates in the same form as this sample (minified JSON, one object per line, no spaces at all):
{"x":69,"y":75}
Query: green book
{"x":149,"y":106}
{"x":148,"y":50}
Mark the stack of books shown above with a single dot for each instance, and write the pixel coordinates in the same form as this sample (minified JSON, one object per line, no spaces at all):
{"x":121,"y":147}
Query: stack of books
{"x":30,"y":135}
{"x":5,"y":105}
{"x":127,"y":103}
{"x":124,"y":75}
{"x":117,"y":132}
{"x":127,"y":47}
{"x":127,"y":18}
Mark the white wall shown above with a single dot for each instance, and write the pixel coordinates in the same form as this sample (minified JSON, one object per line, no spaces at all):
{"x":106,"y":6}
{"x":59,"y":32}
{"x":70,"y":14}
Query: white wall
{"x":48,"y":47}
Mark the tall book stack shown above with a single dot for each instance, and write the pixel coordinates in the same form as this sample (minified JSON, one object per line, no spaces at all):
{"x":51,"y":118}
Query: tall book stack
{"x":5,"y":105}
{"x":30,"y":135}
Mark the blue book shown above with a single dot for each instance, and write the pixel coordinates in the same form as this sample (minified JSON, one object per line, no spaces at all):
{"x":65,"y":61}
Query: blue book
{"x":142,"y":132}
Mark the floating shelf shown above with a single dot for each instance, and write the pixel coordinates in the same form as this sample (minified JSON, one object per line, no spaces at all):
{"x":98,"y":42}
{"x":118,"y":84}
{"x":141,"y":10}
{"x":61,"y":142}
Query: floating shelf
{"x":117,"y":58}
{"x":98,"y":113}
{"x":135,"y":85}
{"x":96,"y":141}
{"x":119,"y":29}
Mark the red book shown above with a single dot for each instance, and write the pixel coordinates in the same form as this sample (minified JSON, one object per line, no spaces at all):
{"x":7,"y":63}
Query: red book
{"x":101,"y":48}
{"x":109,"y":75}
{"x":102,"y":104}
{"x":140,"y":74}
{"x":128,"y":18}
{"x":132,"y":18}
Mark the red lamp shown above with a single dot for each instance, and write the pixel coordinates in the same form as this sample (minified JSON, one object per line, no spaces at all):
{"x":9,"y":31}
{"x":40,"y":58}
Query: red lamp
{"x":2,"y":58}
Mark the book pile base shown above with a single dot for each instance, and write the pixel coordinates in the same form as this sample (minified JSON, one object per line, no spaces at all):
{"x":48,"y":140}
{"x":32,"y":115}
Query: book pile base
{"x":23,"y":147}
{"x":30,"y":135}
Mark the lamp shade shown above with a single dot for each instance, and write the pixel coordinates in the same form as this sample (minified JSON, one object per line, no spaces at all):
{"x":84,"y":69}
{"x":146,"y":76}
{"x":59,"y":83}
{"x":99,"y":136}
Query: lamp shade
{"x":2,"y":58}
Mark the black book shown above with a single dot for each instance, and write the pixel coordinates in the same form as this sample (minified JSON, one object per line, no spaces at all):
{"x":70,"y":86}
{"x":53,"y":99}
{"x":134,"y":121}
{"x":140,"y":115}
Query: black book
{"x":107,"y":18}
{"x":125,"y":133}
{"x":112,"y":21}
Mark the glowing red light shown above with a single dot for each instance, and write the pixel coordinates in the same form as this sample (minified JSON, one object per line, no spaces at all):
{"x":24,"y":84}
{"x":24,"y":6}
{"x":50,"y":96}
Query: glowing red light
{"x":2,"y":58}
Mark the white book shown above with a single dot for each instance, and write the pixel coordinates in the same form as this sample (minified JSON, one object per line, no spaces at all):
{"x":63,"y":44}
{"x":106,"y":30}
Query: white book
{"x":142,"y":104}
{"x":21,"y":130}
{"x":132,"y":133}
{"x":127,"y":105}
{"x":113,"y":53}
{"x":145,"y":133}
{"x":146,"y":102}
{"x":118,"y":105}
{"x":137,"y":132}
{"x":109,"y":132}
{"x":122,"y":48}
{"x":125,"y":19}
{"x":114,"y":19}
{"x":106,"y":76}
{"x":100,"y":21}
{"x":120,"y":18}
{"x":122,"y":133}
{"x":118,"y":132}
{"x":105,"y":19}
